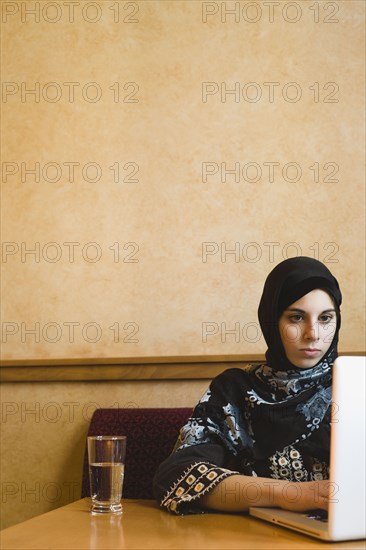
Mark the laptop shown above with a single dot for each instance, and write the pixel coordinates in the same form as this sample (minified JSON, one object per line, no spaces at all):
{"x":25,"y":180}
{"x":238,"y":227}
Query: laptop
{"x":347,"y":508}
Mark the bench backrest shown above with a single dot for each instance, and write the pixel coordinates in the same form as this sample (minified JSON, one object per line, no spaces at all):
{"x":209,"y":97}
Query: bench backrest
{"x":151,"y":435}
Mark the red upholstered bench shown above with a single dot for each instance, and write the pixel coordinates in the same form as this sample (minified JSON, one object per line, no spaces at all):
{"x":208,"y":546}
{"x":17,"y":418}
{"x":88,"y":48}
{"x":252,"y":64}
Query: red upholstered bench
{"x":151,"y":435}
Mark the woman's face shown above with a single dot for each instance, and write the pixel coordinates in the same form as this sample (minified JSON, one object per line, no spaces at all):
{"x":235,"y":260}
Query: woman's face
{"x":307,"y":328}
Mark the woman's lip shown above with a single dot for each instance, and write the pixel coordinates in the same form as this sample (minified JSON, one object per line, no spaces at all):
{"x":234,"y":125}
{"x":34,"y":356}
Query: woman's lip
{"x":310,"y":351}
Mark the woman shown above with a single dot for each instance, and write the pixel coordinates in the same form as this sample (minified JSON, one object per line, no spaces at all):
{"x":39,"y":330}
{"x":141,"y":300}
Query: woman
{"x":259,"y":431}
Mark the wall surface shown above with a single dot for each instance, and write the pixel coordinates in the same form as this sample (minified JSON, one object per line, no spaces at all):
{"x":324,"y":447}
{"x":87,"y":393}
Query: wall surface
{"x":162,"y":156}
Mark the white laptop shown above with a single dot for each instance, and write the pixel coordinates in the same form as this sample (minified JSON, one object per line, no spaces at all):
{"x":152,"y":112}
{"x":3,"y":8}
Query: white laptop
{"x":347,"y":508}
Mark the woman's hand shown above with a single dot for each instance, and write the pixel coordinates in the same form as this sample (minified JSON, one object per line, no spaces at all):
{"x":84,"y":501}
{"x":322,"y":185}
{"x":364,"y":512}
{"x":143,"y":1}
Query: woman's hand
{"x":300,"y":497}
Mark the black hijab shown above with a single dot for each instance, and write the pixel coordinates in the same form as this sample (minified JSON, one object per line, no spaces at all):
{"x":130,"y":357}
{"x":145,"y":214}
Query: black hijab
{"x":287,"y":283}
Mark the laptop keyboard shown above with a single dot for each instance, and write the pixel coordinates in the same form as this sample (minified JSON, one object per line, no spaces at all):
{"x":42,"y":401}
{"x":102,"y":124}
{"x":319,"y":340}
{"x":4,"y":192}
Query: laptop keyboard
{"x":319,"y":514}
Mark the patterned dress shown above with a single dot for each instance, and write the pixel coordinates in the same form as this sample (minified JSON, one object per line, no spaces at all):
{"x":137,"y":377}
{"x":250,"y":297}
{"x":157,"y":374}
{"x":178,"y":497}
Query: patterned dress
{"x":255,"y":421}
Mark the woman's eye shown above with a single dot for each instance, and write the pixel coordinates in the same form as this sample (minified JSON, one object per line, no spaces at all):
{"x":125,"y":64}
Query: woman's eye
{"x":326,"y":318}
{"x":295,"y":318}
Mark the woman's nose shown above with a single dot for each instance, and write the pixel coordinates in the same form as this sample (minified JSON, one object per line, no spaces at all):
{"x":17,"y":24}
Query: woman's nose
{"x":312,"y":331}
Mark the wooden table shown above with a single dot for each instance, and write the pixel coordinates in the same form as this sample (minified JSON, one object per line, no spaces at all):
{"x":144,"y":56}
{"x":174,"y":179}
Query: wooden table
{"x":144,"y":526}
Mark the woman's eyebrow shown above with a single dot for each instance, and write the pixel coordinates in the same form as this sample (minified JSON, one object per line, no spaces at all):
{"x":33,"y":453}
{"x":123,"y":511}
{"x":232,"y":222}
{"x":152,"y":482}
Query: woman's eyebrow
{"x":303,"y":311}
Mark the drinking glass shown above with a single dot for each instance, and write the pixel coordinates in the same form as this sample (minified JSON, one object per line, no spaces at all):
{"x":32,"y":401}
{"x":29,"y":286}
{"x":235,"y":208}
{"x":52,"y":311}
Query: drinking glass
{"x":106,"y":472}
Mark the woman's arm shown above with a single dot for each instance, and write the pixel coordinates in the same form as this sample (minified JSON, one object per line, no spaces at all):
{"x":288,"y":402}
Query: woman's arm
{"x":238,"y":492}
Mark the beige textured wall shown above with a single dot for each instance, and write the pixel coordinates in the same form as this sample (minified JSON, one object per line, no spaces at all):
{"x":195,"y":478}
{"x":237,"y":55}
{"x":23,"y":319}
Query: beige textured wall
{"x":145,"y":86}
{"x":44,"y":427}
{"x":146,"y":89}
